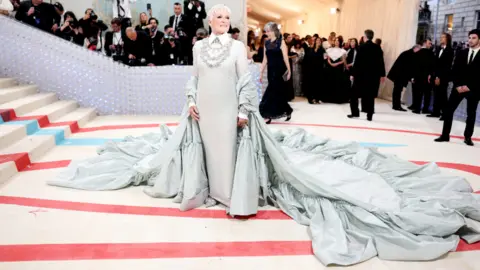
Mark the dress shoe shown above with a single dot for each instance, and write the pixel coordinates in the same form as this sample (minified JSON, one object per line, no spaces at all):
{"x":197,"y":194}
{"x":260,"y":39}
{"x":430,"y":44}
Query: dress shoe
{"x":426,"y":112}
{"x":416,"y":112}
{"x":468,"y":141}
{"x":288,"y":118}
{"x":353,"y":116}
{"x":400,"y":109}
{"x":434,"y":115}
{"x":442,"y":139}
{"x":369,"y":117}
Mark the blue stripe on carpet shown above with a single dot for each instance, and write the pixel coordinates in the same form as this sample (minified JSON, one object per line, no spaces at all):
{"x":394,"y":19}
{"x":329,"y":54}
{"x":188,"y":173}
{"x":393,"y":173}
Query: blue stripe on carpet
{"x":31,"y":125}
{"x":87,"y":141}
{"x":59,"y":134}
{"x":373,"y":144}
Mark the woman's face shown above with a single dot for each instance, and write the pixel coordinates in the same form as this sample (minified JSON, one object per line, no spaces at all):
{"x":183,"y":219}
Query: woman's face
{"x":68,"y":18}
{"x":220,"y":22}
{"x":318,"y":42}
{"x":289,"y":39}
{"x":337,"y":43}
{"x":270,"y":33}
{"x":143,"y":18}
{"x":352,"y":44}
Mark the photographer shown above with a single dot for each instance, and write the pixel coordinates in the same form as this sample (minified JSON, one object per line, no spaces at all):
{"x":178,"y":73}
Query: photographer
{"x":137,"y":48}
{"x":69,"y":29}
{"x":195,"y":11}
{"x":171,"y":49}
{"x":199,"y":35}
{"x":90,"y":24}
{"x":114,"y":41}
{"x":156,"y":37}
{"x":37,"y":14}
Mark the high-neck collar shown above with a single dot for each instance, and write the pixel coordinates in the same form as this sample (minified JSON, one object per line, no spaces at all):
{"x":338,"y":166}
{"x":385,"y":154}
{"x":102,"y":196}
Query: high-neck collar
{"x":223,"y":38}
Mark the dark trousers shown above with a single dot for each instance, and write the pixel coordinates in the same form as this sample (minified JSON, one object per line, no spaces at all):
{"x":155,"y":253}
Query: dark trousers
{"x":397,"y":95}
{"x":368,"y":100}
{"x":440,"y":97}
{"x":453,"y":102}
{"x":422,"y":93}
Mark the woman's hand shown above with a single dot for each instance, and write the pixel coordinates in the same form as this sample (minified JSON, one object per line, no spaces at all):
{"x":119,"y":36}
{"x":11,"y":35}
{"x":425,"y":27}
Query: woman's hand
{"x":242,"y":122}
{"x":194,"y":112}
{"x":289,"y":75}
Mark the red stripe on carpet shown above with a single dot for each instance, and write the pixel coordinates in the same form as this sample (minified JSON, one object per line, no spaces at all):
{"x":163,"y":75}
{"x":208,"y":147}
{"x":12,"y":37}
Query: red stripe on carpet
{"x":72,"y":124}
{"x":134,"y":210}
{"x":372,"y":128}
{"x":7,"y":114}
{"x":461,"y":167}
{"x":22,"y":160}
{"x":41,"y":119}
{"x":57,"y":252}
{"x":113,"y":127}
{"x":36,"y":166}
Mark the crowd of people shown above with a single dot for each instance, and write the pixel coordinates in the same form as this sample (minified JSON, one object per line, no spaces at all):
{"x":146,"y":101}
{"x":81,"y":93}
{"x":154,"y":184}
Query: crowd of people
{"x":321,"y":69}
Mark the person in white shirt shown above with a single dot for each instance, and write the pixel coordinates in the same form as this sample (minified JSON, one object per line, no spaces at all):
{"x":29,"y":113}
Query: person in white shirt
{"x":5,"y":7}
{"x":121,"y":8}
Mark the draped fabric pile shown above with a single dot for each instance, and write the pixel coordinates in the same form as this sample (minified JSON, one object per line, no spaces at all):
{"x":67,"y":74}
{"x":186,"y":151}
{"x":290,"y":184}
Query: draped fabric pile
{"x":357,"y":203}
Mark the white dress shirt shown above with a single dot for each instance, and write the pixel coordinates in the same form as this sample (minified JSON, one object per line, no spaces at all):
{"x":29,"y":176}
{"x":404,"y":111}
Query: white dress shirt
{"x":125,"y":4}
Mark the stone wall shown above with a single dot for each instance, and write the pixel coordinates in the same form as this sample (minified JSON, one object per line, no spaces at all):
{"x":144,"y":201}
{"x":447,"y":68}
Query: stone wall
{"x":464,"y":12}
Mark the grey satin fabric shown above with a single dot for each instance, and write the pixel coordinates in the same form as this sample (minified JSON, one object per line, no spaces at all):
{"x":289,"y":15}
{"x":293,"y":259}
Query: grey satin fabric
{"x":357,"y":203}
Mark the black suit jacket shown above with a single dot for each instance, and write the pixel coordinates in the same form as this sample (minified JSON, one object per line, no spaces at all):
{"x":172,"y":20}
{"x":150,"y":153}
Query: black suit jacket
{"x":443,"y":64}
{"x":401,"y":71}
{"x":184,"y":23}
{"x":140,"y":48}
{"x":369,"y":67}
{"x":423,"y":66}
{"x":44,"y":17}
{"x":194,"y":15}
{"x":465,"y":74}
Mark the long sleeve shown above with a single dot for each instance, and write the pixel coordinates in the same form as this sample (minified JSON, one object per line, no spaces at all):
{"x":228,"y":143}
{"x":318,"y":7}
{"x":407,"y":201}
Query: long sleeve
{"x":191,"y":86}
{"x":246,"y":88}
{"x":6,"y":5}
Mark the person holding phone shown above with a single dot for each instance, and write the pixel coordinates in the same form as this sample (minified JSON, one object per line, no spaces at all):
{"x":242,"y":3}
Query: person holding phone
{"x":195,"y":11}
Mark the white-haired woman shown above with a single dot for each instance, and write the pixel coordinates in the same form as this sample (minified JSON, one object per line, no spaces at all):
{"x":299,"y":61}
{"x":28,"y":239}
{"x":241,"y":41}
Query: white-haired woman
{"x":274,"y":103}
{"x":358,"y":203}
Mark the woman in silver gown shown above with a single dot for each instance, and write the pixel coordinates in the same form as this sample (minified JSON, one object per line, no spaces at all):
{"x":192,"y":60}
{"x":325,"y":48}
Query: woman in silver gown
{"x":356,"y":202}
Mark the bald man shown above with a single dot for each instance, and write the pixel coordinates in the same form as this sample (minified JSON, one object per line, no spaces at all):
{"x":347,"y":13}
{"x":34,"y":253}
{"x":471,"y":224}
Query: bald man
{"x":138,"y":48}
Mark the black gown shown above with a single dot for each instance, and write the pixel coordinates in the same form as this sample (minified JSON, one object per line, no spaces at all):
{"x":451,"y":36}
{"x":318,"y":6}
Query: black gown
{"x":314,"y":77}
{"x":274,"y":102}
{"x":337,"y":83}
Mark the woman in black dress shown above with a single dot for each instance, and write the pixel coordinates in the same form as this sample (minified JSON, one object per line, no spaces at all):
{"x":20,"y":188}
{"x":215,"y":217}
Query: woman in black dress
{"x":338,"y":82}
{"x":314,"y":77}
{"x":274,"y":102}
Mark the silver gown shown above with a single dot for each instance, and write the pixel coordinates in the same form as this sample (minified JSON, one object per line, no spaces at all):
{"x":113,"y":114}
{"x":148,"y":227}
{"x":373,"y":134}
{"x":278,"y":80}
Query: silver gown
{"x":357,"y":203}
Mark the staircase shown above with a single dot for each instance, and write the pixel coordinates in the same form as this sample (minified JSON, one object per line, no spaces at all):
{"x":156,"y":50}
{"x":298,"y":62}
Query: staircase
{"x":32,"y":123}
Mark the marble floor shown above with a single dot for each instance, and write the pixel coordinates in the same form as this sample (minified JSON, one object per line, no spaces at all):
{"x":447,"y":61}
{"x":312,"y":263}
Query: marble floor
{"x":44,"y":227}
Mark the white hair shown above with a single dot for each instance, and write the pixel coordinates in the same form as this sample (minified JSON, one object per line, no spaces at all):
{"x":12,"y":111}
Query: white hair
{"x":216,"y":9}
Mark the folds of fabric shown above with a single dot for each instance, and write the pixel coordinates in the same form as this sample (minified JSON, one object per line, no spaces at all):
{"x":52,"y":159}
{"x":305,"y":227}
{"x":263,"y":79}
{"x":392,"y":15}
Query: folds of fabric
{"x":357,"y":202}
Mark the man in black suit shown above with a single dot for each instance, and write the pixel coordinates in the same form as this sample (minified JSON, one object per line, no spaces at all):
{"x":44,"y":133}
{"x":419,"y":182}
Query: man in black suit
{"x":400,"y":74}
{"x":180,"y":21}
{"x":442,"y":74}
{"x":424,"y":61}
{"x":466,"y":70}
{"x":368,"y":71}
{"x":38,"y":14}
{"x":195,"y":11}
{"x":138,"y":48}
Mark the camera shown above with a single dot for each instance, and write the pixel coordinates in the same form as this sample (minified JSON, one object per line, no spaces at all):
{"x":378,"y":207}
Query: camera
{"x":93,"y":16}
{"x":73,"y":24}
{"x":118,"y":49}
